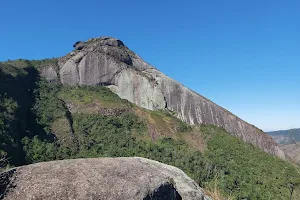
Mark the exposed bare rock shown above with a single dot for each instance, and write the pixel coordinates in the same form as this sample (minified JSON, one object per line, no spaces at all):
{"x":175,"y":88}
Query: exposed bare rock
{"x":292,"y":151}
{"x":115,"y":52}
{"x":49,"y":73}
{"x":69,"y":73}
{"x":106,"y":61}
{"x":99,"y":178}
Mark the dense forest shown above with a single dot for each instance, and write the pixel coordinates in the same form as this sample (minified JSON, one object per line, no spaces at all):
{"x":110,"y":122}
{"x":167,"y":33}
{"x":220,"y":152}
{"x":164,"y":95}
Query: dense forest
{"x":43,"y":121}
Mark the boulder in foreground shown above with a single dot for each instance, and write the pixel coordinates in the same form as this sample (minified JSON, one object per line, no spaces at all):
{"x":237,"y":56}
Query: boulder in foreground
{"x":99,"y":178}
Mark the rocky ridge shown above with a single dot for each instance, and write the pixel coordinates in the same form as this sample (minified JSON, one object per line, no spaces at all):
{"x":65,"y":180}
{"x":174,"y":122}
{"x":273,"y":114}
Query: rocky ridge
{"x":107,"y":61}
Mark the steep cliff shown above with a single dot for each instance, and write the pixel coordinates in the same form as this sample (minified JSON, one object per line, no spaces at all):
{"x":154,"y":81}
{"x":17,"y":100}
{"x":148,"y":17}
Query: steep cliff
{"x":107,"y":61}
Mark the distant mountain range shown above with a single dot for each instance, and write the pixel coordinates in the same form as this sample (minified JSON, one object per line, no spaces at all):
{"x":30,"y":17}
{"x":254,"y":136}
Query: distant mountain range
{"x":285,"y":136}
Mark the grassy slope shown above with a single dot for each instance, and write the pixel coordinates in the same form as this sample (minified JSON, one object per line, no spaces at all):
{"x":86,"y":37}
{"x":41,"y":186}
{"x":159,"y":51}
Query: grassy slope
{"x":246,"y":169}
{"x":205,"y":153}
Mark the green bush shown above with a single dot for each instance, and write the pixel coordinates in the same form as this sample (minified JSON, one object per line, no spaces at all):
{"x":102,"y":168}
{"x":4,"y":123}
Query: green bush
{"x":245,"y":171}
{"x":48,"y":107}
{"x":38,"y":150}
{"x":183,"y":127}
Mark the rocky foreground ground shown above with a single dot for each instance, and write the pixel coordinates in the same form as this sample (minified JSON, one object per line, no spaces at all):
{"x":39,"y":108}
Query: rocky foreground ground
{"x":99,"y":178}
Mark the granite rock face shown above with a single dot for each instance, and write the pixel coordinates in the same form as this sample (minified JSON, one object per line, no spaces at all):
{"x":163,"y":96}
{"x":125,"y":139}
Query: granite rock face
{"x":107,"y":61}
{"x":292,"y":151}
{"x":49,"y":73}
{"x":99,"y":178}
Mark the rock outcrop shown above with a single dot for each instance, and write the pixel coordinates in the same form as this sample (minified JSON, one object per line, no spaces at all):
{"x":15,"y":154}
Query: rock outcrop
{"x":49,"y":73}
{"x":99,"y":178}
{"x":292,"y":151}
{"x":107,"y":61}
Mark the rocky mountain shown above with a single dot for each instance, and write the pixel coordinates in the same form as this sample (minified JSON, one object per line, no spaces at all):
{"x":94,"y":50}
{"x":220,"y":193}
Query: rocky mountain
{"x":42,"y":119}
{"x":285,"y":136}
{"x":99,"y":178}
{"x":289,"y":142}
{"x":292,"y":151}
{"x":107,"y":61}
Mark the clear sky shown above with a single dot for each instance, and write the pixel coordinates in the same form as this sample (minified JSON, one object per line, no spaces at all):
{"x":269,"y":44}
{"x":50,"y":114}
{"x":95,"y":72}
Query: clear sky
{"x":243,"y":55}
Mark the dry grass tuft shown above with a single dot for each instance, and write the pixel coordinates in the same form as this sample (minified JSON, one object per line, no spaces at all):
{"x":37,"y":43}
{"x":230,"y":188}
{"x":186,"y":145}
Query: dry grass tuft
{"x":214,"y":192}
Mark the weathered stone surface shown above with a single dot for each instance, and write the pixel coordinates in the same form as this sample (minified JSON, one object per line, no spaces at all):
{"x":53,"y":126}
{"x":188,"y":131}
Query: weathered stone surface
{"x":115,"y":52}
{"x":49,"y":73}
{"x":69,"y":73}
{"x":99,"y":178}
{"x":107,"y":61}
{"x":292,"y":151}
{"x":139,"y":89}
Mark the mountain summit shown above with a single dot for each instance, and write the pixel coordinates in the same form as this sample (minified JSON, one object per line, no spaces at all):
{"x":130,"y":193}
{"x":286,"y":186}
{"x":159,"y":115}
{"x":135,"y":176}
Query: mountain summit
{"x":70,"y":107}
{"x":107,"y":61}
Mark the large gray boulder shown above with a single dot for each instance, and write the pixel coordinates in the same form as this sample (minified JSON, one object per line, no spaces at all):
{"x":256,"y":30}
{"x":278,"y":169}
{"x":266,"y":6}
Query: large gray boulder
{"x":106,"y":61}
{"x":99,"y":178}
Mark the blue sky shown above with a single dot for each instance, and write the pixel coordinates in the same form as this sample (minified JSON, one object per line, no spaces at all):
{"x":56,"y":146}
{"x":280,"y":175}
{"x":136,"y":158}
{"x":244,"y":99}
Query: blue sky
{"x":243,"y":55}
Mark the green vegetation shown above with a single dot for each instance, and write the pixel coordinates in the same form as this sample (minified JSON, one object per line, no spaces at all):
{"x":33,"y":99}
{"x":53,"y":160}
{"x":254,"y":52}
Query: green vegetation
{"x":38,"y":64}
{"x":48,"y":107}
{"x":15,"y":92}
{"x":8,"y":123}
{"x":245,"y":171}
{"x":37,"y":123}
{"x":183,"y":127}
{"x":166,"y":122}
{"x":89,"y":95}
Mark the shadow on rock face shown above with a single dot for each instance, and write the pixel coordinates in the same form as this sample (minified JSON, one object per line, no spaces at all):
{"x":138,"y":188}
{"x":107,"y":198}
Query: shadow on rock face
{"x":5,"y":182}
{"x":164,"y":192}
